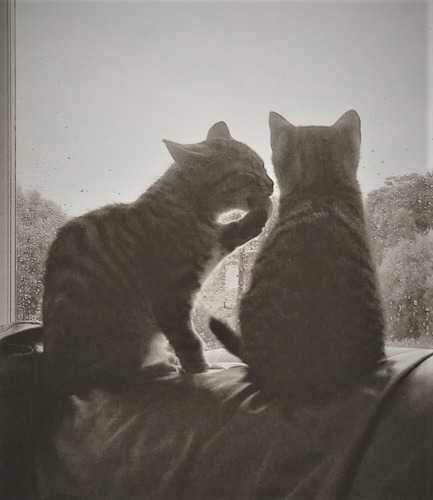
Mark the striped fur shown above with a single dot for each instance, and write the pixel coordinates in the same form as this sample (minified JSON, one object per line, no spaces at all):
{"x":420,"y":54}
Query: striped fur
{"x":311,"y":320}
{"x":118,"y":276}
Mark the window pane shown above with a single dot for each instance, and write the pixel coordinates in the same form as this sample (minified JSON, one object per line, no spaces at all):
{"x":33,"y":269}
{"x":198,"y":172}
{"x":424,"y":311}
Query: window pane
{"x":99,"y":84}
{"x":401,"y":221}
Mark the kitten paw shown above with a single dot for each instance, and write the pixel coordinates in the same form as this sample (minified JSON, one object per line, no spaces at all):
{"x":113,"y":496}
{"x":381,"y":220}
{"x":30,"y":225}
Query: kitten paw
{"x":253,"y":223}
{"x":239,"y":232}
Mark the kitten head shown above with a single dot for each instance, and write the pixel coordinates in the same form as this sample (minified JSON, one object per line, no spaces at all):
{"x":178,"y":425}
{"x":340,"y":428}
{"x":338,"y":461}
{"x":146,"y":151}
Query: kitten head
{"x":323,"y":158}
{"x":223,"y":172}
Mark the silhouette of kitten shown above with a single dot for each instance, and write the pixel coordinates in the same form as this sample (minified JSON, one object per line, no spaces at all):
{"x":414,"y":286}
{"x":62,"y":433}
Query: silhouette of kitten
{"x":118,"y":276}
{"x":311,"y":321}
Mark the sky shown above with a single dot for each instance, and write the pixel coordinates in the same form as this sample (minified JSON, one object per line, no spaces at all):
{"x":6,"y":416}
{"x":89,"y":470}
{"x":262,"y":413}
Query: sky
{"x":100,"y":84}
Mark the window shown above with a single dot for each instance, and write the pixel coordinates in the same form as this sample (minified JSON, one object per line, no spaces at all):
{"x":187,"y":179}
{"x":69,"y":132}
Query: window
{"x":99,"y":84}
{"x":7,"y":163}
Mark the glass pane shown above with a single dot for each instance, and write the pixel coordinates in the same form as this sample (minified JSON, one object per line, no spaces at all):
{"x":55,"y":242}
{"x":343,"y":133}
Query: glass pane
{"x":401,"y":222}
{"x":99,"y":84}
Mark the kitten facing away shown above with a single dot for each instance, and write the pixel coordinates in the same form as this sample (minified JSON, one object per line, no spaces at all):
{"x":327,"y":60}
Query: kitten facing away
{"x":311,"y":321}
{"x":118,"y":276}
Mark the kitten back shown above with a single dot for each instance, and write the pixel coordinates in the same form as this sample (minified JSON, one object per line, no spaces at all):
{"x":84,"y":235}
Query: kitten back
{"x":311,"y":320}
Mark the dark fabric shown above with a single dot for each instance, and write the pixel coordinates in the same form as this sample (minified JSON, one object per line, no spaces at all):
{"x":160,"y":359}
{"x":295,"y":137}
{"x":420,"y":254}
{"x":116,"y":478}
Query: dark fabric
{"x":211,"y":436}
{"x":19,"y":398}
{"x":214,"y":436}
{"x":398,"y":461}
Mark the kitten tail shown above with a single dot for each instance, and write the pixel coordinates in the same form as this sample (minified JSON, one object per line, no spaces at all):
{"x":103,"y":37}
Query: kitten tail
{"x":226,"y":336}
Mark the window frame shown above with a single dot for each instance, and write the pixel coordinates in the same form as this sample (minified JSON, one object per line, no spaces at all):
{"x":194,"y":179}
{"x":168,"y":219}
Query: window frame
{"x":7,"y":164}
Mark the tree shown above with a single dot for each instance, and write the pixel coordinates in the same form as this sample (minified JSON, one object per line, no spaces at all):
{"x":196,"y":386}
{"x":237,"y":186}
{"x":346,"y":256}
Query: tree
{"x":400,"y":219}
{"x":37,"y":222}
{"x":401,"y":209}
{"x":406,"y":277}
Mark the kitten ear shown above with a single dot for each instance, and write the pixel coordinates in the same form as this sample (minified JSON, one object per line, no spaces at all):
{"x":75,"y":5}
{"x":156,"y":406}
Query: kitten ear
{"x":185,"y":152}
{"x":350,"y":124}
{"x":350,"y":120}
{"x":218,"y":131}
{"x":278,"y":124}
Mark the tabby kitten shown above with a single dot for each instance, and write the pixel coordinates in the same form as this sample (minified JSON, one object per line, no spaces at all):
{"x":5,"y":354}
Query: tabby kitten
{"x":118,"y":276}
{"x":311,"y":320}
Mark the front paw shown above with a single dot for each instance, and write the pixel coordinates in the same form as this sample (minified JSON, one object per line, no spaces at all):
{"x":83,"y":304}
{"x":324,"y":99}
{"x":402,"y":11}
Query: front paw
{"x":239,"y":232}
{"x":253,"y":223}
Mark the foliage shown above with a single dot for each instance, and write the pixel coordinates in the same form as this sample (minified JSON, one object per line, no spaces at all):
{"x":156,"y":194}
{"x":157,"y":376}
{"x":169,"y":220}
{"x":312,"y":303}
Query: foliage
{"x":37,"y":222}
{"x":423,"y":342}
{"x":401,"y":209}
{"x":400,"y":216}
{"x":406,"y":276}
{"x":212,"y":301}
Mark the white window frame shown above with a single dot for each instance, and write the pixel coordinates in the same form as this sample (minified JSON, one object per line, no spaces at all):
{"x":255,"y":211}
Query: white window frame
{"x":7,"y":163}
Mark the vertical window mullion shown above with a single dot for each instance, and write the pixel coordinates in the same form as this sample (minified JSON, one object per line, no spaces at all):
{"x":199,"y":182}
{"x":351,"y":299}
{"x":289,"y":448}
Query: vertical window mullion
{"x":7,"y":163}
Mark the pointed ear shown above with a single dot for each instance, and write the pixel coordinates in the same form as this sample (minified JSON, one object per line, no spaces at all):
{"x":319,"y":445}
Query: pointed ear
{"x":278,"y":124}
{"x":218,"y":131}
{"x":185,"y":152}
{"x":350,"y":124}
{"x":349,"y":120}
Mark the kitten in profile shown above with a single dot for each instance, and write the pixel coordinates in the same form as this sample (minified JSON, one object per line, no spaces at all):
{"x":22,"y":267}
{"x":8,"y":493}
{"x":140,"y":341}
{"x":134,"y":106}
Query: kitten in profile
{"x":118,"y":276}
{"x":311,"y":321}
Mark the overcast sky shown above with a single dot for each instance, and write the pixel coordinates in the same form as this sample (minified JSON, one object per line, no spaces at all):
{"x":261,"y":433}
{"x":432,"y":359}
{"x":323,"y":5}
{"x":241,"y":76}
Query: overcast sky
{"x":100,"y":84}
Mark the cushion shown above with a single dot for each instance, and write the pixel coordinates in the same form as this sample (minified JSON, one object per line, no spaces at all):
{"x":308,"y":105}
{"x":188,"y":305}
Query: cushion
{"x":214,"y":435}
